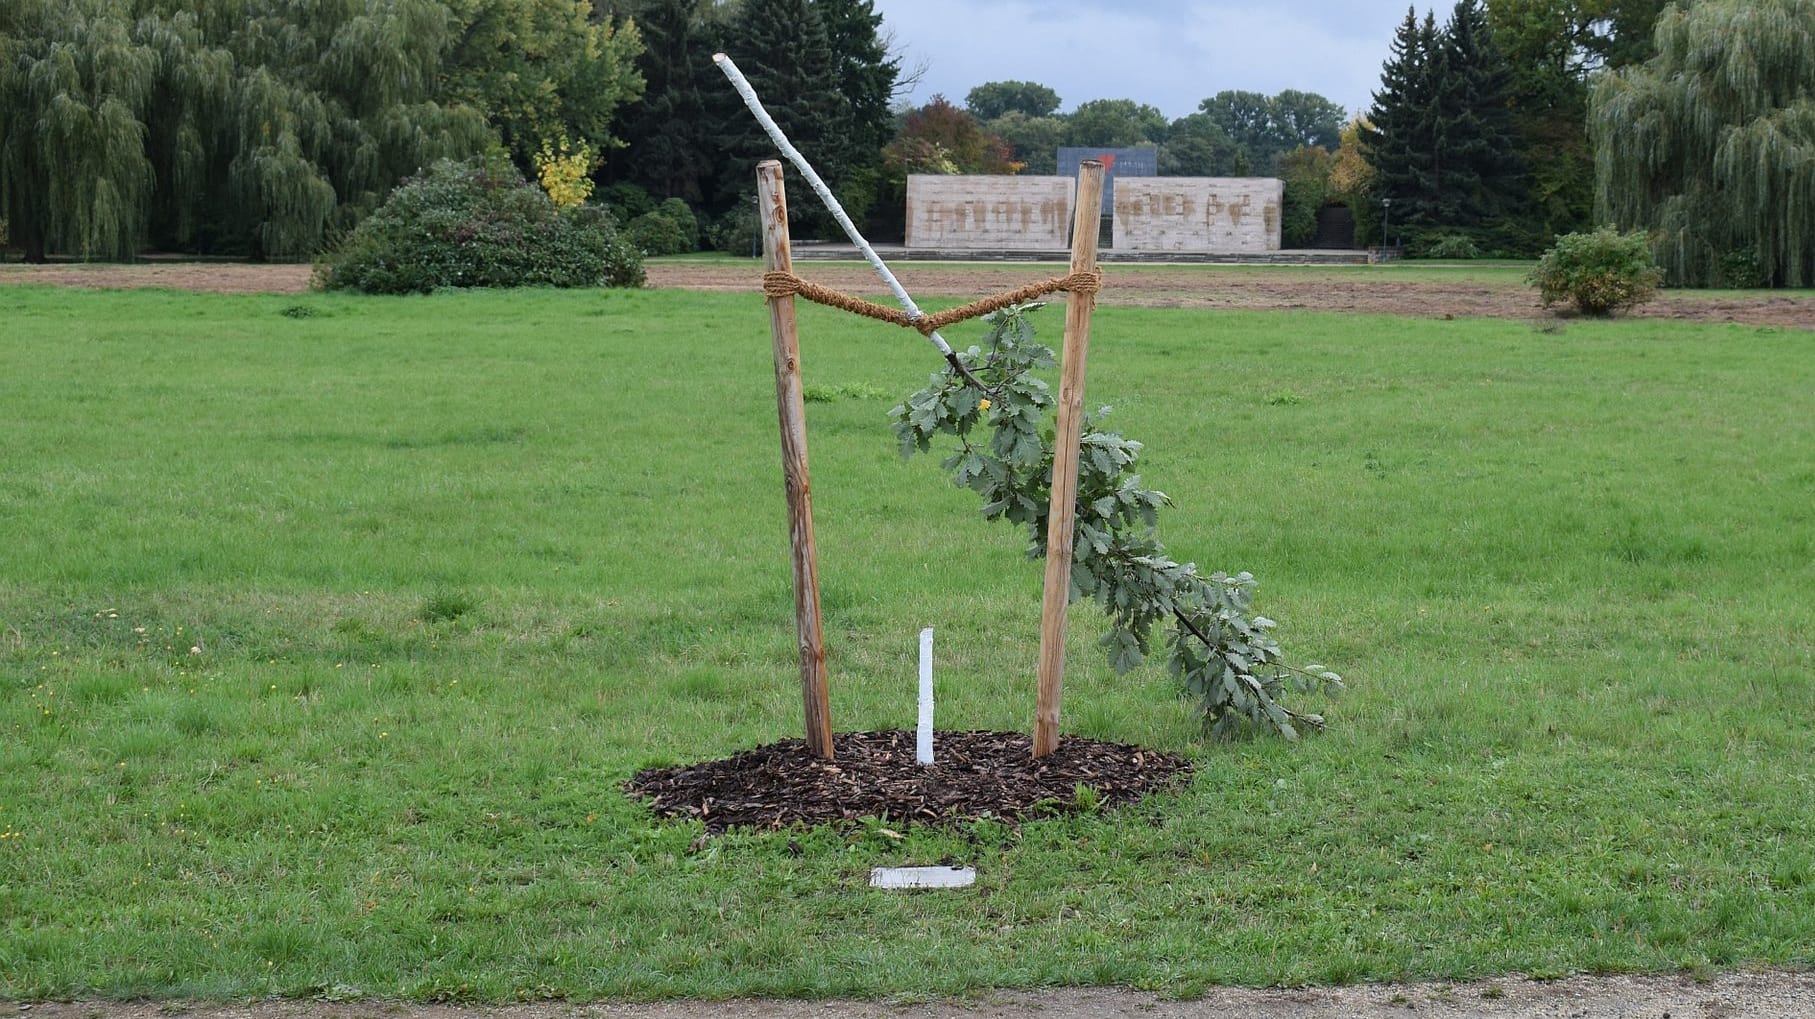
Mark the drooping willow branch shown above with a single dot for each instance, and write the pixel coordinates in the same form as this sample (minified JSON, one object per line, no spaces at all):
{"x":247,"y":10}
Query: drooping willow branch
{"x":1220,"y":650}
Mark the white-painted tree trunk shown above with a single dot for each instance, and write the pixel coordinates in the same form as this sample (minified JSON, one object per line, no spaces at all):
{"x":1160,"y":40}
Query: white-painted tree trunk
{"x":739,"y":82}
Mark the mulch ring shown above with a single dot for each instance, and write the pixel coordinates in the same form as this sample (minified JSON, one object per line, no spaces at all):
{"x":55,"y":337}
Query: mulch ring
{"x":975,"y":775}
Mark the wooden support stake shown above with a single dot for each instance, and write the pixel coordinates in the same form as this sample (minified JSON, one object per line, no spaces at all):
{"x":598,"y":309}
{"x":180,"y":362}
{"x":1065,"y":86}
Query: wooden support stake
{"x":791,"y":409}
{"x":1062,"y":518}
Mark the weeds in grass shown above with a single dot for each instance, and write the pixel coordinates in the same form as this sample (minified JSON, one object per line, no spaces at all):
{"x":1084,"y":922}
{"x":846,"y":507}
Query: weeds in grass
{"x":443,"y":607}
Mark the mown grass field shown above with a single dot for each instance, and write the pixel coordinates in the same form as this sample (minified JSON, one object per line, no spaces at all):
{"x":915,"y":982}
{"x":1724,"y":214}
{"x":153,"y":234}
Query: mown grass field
{"x":329,"y":627}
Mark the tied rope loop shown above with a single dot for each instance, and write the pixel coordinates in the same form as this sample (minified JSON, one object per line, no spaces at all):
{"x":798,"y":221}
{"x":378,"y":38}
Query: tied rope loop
{"x":786,"y":284}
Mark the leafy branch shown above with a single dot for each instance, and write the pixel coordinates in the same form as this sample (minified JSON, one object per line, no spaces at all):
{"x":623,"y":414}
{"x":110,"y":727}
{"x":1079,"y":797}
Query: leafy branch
{"x":1218,"y":649}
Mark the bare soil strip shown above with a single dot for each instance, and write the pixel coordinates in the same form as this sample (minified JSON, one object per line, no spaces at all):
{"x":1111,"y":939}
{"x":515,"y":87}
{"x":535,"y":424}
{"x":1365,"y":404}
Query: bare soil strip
{"x":1137,"y":286}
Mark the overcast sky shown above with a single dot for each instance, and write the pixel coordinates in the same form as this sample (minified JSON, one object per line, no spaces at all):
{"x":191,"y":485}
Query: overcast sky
{"x":1166,"y":53}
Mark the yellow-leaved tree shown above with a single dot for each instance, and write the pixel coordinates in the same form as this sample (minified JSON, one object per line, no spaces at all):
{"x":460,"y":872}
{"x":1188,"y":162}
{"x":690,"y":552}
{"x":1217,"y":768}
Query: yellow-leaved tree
{"x":565,"y":171}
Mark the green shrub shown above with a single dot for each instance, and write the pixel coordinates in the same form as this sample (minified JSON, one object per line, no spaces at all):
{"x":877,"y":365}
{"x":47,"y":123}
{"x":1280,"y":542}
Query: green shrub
{"x":1298,"y":212}
{"x":656,"y":234}
{"x":478,"y":224}
{"x":1599,"y":272}
{"x":668,"y":229}
{"x":681,"y":214}
{"x":1453,"y":246}
{"x":1305,"y":173}
{"x":624,"y":201}
{"x":737,"y":232}
{"x":1740,"y":270}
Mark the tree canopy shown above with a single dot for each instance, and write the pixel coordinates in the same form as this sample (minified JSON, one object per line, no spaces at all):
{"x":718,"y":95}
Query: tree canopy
{"x":541,"y":70}
{"x":1264,"y":127}
{"x":824,"y":73}
{"x":1196,"y":146}
{"x":1710,"y":144}
{"x":668,"y":137}
{"x":1552,"y":48}
{"x":228,"y":126}
{"x":1112,"y":123}
{"x":1034,"y":141}
{"x":941,"y":138}
{"x":993,"y":99}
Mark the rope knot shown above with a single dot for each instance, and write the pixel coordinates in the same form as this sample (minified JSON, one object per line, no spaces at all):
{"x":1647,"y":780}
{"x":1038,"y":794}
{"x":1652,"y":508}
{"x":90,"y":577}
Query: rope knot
{"x":1088,"y":282}
{"x":781,"y":284}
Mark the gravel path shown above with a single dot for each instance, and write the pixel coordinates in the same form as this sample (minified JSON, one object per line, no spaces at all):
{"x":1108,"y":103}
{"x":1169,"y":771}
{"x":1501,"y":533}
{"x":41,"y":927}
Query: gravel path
{"x":1767,"y":995}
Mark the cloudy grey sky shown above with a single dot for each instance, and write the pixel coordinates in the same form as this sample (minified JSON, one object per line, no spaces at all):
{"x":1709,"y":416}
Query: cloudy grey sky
{"x":1167,"y":53}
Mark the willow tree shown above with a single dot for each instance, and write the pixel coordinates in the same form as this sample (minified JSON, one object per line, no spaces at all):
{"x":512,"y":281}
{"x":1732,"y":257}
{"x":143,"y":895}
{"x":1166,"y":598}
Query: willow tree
{"x":1710,"y":144}
{"x":286,"y":123}
{"x":265,"y":126}
{"x":73,"y":88}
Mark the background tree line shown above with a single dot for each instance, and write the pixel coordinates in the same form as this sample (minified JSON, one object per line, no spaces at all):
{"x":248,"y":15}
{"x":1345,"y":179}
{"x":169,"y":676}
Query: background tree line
{"x":268,"y":127}
{"x":264,"y":127}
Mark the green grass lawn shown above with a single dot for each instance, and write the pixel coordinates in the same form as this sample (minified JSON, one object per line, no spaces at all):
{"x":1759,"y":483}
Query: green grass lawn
{"x":329,"y":627}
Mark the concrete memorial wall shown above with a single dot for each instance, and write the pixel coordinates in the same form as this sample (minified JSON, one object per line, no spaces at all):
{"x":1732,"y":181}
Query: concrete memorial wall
{"x":1218,"y":215}
{"x":1202,"y":215}
{"x":988,"y":213}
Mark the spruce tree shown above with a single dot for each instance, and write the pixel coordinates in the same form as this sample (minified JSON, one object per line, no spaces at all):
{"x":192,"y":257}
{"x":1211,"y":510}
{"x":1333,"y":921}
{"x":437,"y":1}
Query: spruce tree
{"x":1399,"y":134}
{"x":1481,"y":173}
{"x":1441,"y":136}
{"x":866,"y":76}
{"x":781,"y":46}
{"x":667,"y":137}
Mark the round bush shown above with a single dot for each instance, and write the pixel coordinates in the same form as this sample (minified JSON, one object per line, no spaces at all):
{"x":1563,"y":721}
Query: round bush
{"x":1741,"y":270}
{"x":625,"y":201}
{"x":477,"y":225}
{"x":738,"y":232}
{"x":668,"y":229}
{"x":1599,"y":272}
{"x":1453,"y":247}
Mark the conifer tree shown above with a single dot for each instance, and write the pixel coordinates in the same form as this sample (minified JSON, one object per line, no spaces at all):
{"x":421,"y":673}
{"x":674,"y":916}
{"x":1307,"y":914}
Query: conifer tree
{"x":866,"y":75}
{"x":1399,"y":135}
{"x":1481,"y":181}
{"x":781,"y":46}
{"x":1440,"y":134}
{"x":667,"y":135}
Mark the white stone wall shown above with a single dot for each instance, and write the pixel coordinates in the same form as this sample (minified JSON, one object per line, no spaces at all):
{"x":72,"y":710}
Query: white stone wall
{"x":979,"y":212}
{"x":1216,"y":215}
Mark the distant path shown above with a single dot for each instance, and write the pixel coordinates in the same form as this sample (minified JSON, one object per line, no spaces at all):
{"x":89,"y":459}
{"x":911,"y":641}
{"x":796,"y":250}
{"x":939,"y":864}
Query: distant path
{"x":1370,"y":292}
{"x":1148,"y":286}
{"x":1768,"y":995}
{"x":204,"y":277}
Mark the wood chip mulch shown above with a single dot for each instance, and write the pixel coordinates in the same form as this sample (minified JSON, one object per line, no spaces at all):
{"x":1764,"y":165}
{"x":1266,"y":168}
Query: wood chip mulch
{"x":979,"y":774}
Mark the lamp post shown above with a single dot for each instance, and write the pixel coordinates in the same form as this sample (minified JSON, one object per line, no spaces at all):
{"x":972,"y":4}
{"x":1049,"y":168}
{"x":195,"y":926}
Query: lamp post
{"x":1386,"y":219}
